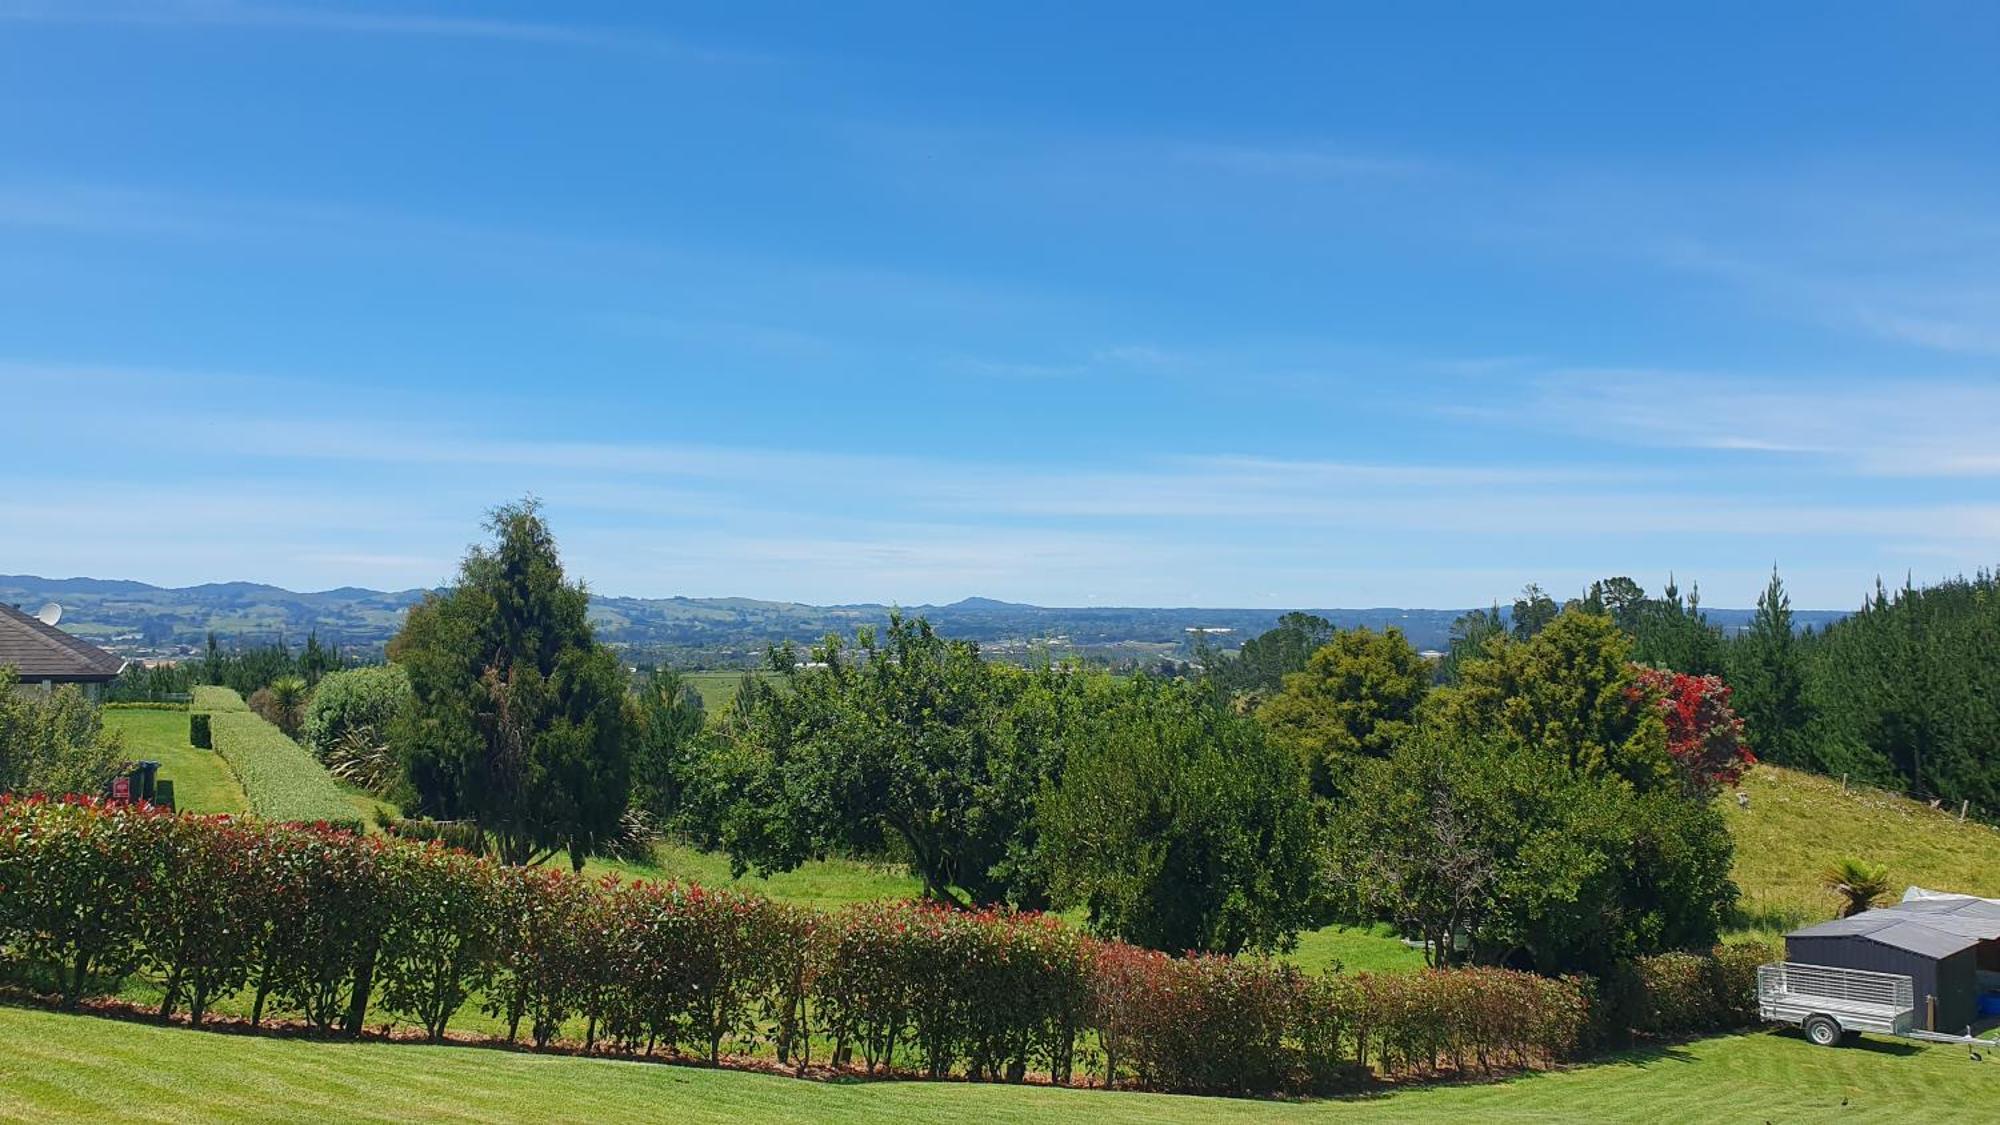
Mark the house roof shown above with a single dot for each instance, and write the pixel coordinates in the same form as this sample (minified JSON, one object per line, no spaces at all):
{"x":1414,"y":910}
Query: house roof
{"x":1919,"y":900}
{"x":1918,"y":927}
{"x":44,"y":652}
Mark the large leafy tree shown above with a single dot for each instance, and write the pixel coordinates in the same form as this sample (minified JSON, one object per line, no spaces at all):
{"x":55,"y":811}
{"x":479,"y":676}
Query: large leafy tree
{"x":1570,"y":693}
{"x":1469,"y":633}
{"x":1492,"y":853}
{"x":1467,"y":842}
{"x":1264,"y":661}
{"x":1704,"y":735}
{"x":1355,"y":697}
{"x":1532,"y":611}
{"x":1176,"y":825}
{"x":516,"y":719}
{"x":903,"y":736}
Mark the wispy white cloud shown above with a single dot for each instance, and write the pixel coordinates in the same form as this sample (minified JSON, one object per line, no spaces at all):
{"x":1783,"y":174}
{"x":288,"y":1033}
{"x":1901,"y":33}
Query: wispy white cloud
{"x":1887,"y":426}
{"x":1858,"y":271}
{"x":335,"y":19}
{"x":386,"y":491}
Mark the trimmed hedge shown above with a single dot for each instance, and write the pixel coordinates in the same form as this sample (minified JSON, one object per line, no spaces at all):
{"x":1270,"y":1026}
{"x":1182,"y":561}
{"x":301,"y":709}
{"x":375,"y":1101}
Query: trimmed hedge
{"x":282,"y":781}
{"x":201,"y":734}
{"x":320,"y":924}
{"x":1671,"y":994}
{"x":208,"y":697}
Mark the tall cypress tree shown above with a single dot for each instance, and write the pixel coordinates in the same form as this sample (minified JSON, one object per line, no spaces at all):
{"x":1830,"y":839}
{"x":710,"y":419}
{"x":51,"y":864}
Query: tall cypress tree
{"x":517,"y":713}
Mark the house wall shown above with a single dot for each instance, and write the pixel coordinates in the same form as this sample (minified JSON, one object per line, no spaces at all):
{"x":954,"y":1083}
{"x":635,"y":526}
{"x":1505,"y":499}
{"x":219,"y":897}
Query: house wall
{"x":1958,"y":991}
{"x":91,"y":691}
{"x":1951,"y":980}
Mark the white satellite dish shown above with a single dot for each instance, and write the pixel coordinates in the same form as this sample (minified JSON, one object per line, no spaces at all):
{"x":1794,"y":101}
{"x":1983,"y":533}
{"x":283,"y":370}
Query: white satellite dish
{"x":49,"y":614}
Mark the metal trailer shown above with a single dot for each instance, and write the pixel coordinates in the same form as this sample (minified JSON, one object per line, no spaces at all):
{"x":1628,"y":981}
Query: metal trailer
{"x":1830,"y":1004}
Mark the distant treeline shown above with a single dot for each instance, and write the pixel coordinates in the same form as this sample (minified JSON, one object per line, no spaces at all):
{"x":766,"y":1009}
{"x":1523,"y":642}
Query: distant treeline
{"x":244,"y":670}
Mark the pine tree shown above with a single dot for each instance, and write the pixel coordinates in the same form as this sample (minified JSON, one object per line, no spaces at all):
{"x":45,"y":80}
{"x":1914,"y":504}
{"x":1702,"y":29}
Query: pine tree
{"x":1768,"y":673}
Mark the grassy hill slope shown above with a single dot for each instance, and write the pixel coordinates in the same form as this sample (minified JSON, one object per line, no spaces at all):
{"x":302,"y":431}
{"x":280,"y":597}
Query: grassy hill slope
{"x":1797,"y":823}
{"x":84,"y":1068}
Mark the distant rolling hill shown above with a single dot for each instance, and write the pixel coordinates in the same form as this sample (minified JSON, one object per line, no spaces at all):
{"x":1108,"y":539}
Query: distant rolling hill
{"x":138,"y":618}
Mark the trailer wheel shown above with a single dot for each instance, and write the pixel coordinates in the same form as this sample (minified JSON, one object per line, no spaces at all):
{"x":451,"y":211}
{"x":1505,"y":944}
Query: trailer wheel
{"x":1822,"y":1031}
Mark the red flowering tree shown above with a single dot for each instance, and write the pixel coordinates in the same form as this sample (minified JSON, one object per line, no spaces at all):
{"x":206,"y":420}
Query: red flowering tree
{"x":1703,"y":732}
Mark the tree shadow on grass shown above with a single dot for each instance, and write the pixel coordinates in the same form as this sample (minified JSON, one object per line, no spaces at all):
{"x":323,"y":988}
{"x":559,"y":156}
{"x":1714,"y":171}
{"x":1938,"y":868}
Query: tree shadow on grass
{"x":1879,"y":1046}
{"x":1873,"y":1044}
{"x":1772,"y":917}
{"x":1643,"y":1056}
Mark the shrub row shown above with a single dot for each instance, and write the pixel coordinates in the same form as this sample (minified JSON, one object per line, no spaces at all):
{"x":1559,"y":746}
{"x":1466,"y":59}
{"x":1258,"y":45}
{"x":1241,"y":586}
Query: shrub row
{"x":208,"y":697}
{"x":1682,"y":993}
{"x":281,"y":779}
{"x":323,"y":924}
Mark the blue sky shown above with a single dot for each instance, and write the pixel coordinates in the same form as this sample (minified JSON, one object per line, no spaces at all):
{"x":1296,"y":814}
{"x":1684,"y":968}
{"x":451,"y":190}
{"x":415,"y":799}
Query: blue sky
{"x":1075,"y":304}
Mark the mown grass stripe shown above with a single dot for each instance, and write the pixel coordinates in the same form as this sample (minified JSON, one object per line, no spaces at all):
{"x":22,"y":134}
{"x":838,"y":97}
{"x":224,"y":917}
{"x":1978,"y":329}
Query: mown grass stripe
{"x":57,"y":1067}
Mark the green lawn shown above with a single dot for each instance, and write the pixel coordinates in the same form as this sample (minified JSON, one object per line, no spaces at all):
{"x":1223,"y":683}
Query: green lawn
{"x":1356,"y":949}
{"x":827,"y":884}
{"x":84,"y":1068}
{"x":202,"y":781}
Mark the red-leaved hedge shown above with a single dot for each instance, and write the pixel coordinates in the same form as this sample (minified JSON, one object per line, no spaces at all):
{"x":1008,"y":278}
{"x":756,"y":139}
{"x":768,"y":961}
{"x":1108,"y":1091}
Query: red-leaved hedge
{"x":322,"y":925}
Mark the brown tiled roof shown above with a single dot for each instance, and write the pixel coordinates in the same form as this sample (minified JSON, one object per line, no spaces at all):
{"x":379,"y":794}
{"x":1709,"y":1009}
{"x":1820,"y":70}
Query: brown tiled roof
{"x":44,"y":652}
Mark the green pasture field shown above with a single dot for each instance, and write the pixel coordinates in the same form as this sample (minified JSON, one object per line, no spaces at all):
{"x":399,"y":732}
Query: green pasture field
{"x":1796,"y":823}
{"x":718,"y":688}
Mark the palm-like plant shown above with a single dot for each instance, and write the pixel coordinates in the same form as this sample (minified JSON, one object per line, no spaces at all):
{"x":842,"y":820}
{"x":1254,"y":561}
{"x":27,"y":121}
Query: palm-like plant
{"x":288,"y":700}
{"x":1858,"y":883}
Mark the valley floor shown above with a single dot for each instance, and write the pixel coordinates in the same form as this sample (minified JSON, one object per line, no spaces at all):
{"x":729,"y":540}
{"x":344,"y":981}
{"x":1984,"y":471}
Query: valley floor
{"x":56,"y":1067}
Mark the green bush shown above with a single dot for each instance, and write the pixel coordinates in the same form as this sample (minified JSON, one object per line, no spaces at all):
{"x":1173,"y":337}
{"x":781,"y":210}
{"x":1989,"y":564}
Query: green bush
{"x":994,"y":991}
{"x":54,"y":741}
{"x":74,"y":874}
{"x":199,"y":731}
{"x":282,"y":781}
{"x":1736,"y":978}
{"x":1684,"y":993}
{"x":358,"y":699}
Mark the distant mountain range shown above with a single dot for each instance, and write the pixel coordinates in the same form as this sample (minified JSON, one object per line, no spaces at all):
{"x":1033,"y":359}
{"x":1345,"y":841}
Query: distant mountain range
{"x":141,"y":619}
